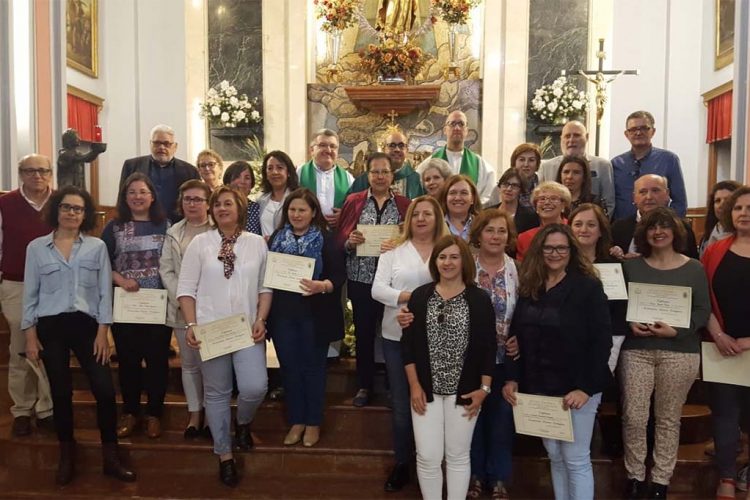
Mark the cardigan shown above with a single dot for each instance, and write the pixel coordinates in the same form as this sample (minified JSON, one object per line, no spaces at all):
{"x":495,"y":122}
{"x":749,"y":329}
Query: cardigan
{"x":712,"y":257}
{"x":352,"y":209}
{"x":480,"y":353}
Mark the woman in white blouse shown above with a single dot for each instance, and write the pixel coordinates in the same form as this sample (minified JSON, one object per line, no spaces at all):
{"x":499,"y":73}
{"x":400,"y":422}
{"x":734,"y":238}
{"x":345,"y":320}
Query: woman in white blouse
{"x":399,"y":272}
{"x":222,"y":276}
{"x":278,"y":179}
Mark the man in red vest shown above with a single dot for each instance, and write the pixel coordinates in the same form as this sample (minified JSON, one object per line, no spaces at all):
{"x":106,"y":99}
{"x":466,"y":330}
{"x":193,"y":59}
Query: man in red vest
{"x":21,"y":222}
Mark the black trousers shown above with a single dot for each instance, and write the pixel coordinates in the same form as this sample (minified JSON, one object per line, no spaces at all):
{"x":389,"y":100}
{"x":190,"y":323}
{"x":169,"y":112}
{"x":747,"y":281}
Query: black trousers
{"x":729,"y":405}
{"x":76,"y":332}
{"x":367,"y":315}
{"x":136,"y":344}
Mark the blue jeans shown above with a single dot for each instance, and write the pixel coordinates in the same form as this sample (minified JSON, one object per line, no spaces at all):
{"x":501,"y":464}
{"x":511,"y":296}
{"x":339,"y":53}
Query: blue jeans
{"x":302,"y":358}
{"x":403,"y":434}
{"x":252,"y":381}
{"x":492,"y":444}
{"x":570,"y":463}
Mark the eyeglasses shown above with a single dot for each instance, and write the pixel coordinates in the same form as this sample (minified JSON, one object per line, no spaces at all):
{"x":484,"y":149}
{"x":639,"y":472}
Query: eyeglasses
{"x":208,"y":164}
{"x":642,"y":129}
{"x":396,"y":145}
{"x":166,"y":144}
{"x":41,"y":172}
{"x":380,"y":173}
{"x":549,"y":199}
{"x":560,"y":250}
{"x":636,"y":172}
{"x":325,"y":145}
{"x":455,"y":124}
{"x":510,"y":185}
{"x":68,"y":208}
{"x":194,"y":200}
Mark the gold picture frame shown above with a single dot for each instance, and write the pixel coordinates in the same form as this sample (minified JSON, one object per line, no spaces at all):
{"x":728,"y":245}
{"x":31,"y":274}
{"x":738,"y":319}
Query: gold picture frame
{"x":724,"y":33}
{"x":82,"y":36}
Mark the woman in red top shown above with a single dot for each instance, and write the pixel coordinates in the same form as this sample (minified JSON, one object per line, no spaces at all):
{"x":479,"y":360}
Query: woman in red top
{"x":550,"y":200}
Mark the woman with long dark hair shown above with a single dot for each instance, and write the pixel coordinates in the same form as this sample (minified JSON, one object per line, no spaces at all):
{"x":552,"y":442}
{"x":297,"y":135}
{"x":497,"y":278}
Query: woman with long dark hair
{"x":278,"y":179}
{"x":713,"y":230}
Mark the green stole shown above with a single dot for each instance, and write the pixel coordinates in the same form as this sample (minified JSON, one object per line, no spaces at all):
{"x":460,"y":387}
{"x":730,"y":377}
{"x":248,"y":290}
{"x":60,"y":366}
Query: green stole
{"x":469,"y":163}
{"x":340,"y":182}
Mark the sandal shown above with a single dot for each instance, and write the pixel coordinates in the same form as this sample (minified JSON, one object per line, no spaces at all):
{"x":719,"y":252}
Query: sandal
{"x":726,"y":481}
{"x":499,"y":492}
{"x":475,"y":488}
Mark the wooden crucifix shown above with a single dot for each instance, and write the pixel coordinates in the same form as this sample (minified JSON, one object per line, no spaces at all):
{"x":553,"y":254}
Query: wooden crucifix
{"x":601,"y":78}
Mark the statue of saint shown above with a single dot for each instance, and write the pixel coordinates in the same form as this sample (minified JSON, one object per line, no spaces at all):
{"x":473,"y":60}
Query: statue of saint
{"x":397,"y":16}
{"x":72,"y":156}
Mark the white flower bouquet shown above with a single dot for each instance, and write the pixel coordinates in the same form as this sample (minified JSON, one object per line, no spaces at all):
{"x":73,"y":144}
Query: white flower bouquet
{"x":558,"y":102}
{"x":224,"y":108}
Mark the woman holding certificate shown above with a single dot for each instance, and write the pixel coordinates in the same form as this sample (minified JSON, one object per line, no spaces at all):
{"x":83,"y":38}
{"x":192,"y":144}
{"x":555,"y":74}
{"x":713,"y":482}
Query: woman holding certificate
{"x":381,"y":207}
{"x":134,"y":240}
{"x":222,"y":277}
{"x":67,"y":305}
{"x":303,"y":323}
{"x":460,"y":202}
{"x":657,"y":357}
{"x":192,"y":203}
{"x":551,"y":200}
{"x":449,"y":356}
{"x":727,"y":263}
{"x":564,"y":336}
{"x":400,"y":271}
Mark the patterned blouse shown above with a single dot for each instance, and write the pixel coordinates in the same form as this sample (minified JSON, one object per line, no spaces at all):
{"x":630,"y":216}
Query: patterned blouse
{"x":134,"y":250}
{"x":362,"y":269}
{"x":253,"y":218}
{"x":495,"y":287}
{"x":447,"y":340}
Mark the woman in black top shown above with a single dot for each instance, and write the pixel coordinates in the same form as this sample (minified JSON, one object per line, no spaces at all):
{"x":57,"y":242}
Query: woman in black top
{"x":511,"y":188}
{"x":564,"y":335}
{"x":575,"y":174}
{"x":449,"y":357}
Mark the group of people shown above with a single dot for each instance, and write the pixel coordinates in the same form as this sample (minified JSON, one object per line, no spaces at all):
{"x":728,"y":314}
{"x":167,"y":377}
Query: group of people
{"x":489,"y":290}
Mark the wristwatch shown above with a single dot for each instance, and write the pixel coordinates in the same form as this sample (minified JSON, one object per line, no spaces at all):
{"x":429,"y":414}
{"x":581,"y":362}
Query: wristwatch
{"x":191,"y":324}
{"x":486,"y":388}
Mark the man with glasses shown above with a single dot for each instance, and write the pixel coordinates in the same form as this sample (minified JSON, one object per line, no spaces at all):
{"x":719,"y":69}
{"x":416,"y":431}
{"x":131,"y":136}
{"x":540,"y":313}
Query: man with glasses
{"x":643,"y":158}
{"x":20,"y":223}
{"x":165,"y":171}
{"x":461,"y":159}
{"x":322,"y":176}
{"x":407,"y":181}
{"x":573,"y":142}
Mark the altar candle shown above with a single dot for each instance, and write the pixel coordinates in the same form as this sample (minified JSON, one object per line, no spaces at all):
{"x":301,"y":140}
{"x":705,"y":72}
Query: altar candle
{"x":97,"y":134}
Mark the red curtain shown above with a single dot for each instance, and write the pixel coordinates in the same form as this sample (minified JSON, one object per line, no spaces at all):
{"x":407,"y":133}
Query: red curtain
{"x":82,"y":116}
{"x":719,"y":118}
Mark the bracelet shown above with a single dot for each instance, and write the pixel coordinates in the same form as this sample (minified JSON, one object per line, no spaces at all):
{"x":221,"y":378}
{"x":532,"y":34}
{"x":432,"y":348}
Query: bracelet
{"x":191,"y":325}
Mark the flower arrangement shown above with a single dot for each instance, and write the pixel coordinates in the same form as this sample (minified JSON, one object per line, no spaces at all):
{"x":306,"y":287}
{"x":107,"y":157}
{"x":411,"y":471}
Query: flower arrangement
{"x":392,"y":59}
{"x":225,"y":108}
{"x":455,"y":11}
{"x":558,"y":102}
{"x":336,"y":14}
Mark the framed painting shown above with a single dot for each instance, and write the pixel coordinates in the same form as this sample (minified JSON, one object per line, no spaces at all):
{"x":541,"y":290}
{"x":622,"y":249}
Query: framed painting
{"x":724,"y":33}
{"x":82,"y":36}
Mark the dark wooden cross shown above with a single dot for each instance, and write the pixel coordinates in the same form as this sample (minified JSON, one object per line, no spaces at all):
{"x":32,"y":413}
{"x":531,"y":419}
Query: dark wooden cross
{"x":601,"y":78}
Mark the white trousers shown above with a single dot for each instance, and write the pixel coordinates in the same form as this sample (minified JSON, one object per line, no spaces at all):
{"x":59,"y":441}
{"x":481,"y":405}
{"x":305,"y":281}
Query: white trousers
{"x":443,"y":432}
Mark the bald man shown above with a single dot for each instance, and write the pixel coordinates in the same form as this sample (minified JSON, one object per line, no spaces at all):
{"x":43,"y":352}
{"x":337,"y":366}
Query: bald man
{"x":20,"y":223}
{"x":461,"y":159}
{"x":573,"y":142}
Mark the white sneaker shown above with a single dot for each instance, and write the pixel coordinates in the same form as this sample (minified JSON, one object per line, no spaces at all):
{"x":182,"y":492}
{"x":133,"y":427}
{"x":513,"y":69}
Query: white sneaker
{"x":742,"y":479}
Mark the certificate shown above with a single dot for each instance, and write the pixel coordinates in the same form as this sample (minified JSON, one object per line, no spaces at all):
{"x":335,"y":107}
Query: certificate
{"x":649,"y":303}
{"x":375,"y":235}
{"x":542,"y":416}
{"x":146,"y":306}
{"x":613,"y":281}
{"x":223,"y":336}
{"x":284,"y":272}
{"x":726,"y":370}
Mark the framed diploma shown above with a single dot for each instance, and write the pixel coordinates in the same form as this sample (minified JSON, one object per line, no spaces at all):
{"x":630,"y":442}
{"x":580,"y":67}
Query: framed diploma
{"x":146,"y":306}
{"x":649,"y":303}
{"x":613,"y":281}
{"x":542,"y":416}
{"x":284,"y":272}
{"x":375,"y":235}
{"x":223,"y":336}
{"x":725,"y":369}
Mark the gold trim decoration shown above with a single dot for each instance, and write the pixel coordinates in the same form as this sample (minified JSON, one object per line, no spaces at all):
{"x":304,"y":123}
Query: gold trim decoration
{"x":724,"y":46}
{"x":82,"y":36}
{"x":716,"y":92}
{"x":86,"y":96}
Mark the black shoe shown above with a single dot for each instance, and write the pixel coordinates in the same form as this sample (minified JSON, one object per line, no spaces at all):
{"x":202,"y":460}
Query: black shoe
{"x":206,"y":432}
{"x":191,"y":432}
{"x":635,"y":489}
{"x":66,"y":465}
{"x":46,"y":423}
{"x":398,"y":478}
{"x":112,"y":466}
{"x":276,"y":394}
{"x":657,"y":491}
{"x":228,"y":473}
{"x":243,"y":437}
{"x":21,"y":426}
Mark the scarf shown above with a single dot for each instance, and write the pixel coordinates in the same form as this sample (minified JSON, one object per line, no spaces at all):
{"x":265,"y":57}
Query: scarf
{"x":469,"y":163}
{"x":226,"y":252}
{"x":308,"y":179}
{"x":309,"y":244}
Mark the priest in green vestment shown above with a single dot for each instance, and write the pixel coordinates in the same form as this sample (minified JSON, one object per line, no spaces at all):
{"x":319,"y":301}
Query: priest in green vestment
{"x":461,"y":159}
{"x":322,"y":176}
{"x":407,"y":181}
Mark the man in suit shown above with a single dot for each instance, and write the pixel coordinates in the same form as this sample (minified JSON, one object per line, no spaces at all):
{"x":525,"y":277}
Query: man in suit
{"x":573,"y":142}
{"x":165,"y":171}
{"x":650,"y":192}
